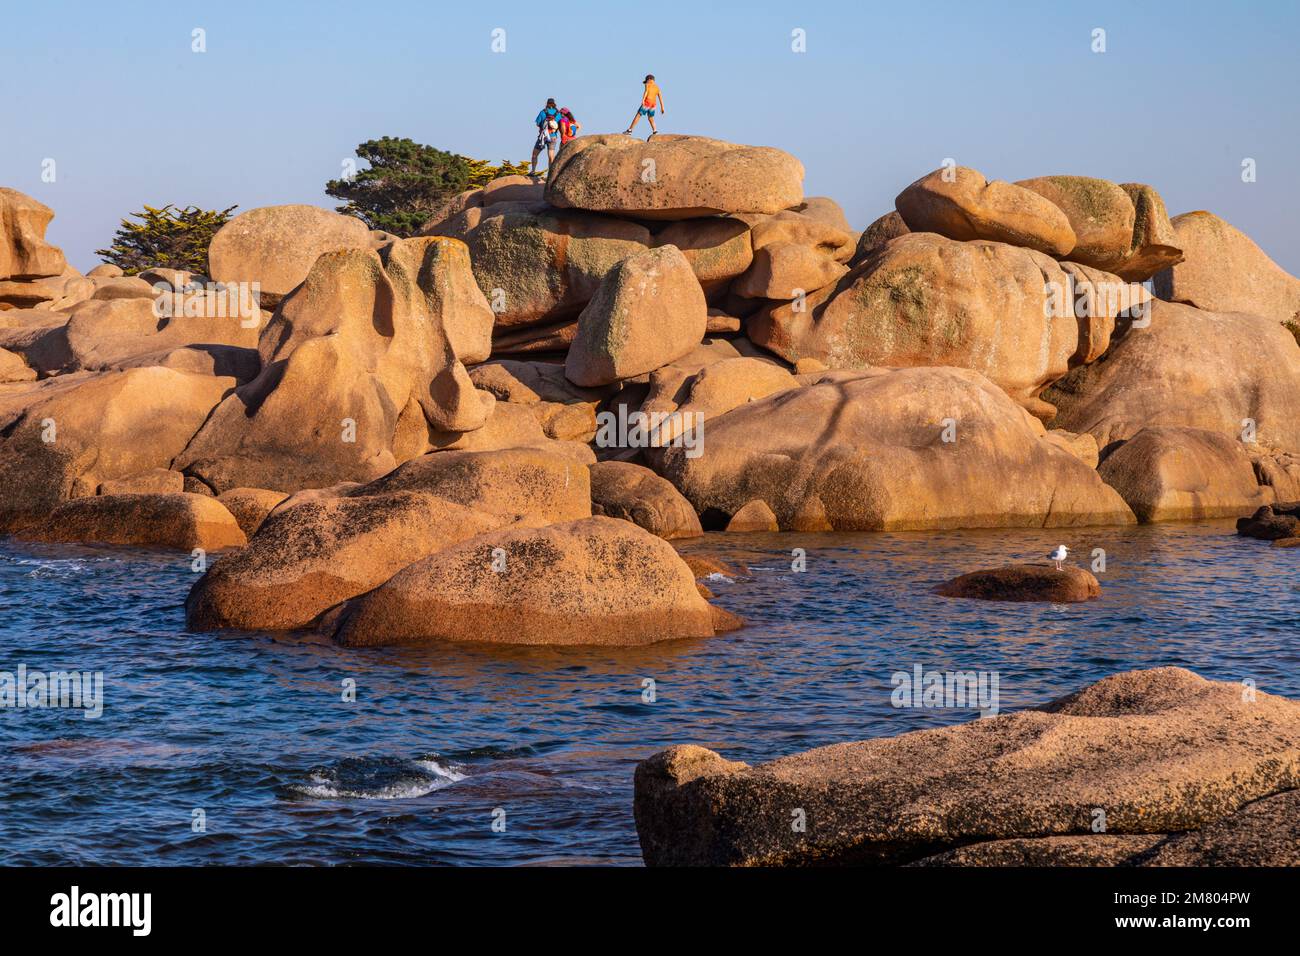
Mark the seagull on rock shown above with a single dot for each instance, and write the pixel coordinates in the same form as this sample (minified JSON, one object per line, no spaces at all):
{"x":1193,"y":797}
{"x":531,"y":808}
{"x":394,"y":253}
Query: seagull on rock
{"x":1058,"y":555}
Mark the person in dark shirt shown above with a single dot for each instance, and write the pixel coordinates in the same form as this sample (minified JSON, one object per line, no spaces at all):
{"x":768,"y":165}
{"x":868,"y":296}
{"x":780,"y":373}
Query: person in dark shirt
{"x":548,"y":126}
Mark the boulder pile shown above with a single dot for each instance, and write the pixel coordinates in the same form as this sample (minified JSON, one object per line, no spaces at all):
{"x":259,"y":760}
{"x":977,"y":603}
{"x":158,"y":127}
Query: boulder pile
{"x":667,"y":334}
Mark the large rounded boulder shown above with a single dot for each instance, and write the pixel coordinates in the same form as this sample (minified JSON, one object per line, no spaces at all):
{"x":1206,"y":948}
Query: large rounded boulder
{"x":1168,"y":473}
{"x":62,"y":437}
{"x":540,"y":266}
{"x":621,"y":489}
{"x":594,"y":581}
{"x":1224,"y":271}
{"x":1010,"y":313}
{"x":649,"y":311}
{"x":890,"y":450}
{"x":319,"y":548}
{"x":1100,"y":213}
{"x":673,"y":177}
{"x":276,"y":246}
{"x":1233,"y":374}
{"x":958,"y":202}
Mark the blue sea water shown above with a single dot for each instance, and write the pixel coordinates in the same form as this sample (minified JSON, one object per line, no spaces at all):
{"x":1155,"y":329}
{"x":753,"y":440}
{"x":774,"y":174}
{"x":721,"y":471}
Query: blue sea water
{"x":442,"y":742}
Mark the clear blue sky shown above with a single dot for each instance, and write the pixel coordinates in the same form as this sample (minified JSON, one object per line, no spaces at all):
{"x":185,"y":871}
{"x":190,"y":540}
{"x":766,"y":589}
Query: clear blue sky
{"x":884,"y":93}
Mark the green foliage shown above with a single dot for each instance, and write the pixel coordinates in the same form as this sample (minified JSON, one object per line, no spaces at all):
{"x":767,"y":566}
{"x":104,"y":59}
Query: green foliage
{"x":170,"y":238}
{"x":407,"y":182}
{"x":482,"y":172}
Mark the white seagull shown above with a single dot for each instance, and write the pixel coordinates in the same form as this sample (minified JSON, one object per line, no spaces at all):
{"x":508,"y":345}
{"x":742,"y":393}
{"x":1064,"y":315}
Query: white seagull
{"x":1058,"y":555}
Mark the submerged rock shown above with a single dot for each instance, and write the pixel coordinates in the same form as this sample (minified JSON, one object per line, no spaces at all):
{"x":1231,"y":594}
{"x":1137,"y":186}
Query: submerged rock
{"x":703,"y":566}
{"x":1025,"y":582}
{"x":1269,"y":525}
{"x":1157,"y":751}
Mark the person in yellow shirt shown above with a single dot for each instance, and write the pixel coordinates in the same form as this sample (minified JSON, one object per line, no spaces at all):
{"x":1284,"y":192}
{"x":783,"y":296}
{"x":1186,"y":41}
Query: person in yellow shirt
{"x":651,"y":96}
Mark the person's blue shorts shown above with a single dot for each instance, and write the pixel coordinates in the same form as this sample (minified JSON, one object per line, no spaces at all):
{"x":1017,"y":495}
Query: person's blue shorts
{"x":646,"y":111}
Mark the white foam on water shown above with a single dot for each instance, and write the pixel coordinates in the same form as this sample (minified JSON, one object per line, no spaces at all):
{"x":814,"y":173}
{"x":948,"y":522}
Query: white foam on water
{"x":427,"y":776}
{"x":719,"y":576}
{"x":448,"y":771}
{"x":56,"y":567}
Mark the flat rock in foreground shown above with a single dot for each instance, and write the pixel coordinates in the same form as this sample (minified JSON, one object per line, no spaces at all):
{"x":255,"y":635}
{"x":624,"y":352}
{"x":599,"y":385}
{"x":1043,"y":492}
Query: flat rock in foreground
{"x":1263,"y":833}
{"x":1025,"y":582}
{"x":1158,"y":751}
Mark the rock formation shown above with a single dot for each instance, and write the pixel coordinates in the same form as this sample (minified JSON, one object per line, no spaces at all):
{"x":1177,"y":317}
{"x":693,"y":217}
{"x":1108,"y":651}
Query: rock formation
{"x":592,"y":581}
{"x":358,"y":364}
{"x":1161,"y":751}
{"x":891,"y":450}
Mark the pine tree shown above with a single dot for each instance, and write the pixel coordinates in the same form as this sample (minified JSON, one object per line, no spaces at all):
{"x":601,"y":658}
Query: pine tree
{"x":407,"y":182}
{"x":169,"y":237}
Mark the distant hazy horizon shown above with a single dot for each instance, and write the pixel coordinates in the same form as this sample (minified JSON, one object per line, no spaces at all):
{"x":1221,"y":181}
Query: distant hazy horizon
{"x":1183,"y":94}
